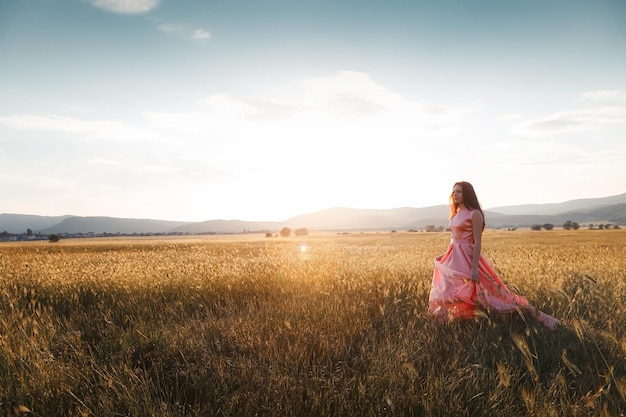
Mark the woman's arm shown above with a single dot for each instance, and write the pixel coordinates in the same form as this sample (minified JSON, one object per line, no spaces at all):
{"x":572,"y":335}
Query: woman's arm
{"x":477,"y":231}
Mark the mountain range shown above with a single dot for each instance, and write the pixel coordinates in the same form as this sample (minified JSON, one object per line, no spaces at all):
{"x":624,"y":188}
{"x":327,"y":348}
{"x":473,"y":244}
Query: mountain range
{"x":610,"y":209}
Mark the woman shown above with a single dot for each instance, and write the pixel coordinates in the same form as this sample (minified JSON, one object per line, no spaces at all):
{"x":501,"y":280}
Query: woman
{"x":463,"y":280}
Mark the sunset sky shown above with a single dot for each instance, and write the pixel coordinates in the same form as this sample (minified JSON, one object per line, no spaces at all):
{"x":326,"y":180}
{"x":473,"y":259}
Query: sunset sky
{"x":193,"y":110}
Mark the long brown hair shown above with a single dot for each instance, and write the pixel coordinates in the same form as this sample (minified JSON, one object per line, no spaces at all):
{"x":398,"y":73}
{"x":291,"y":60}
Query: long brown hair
{"x":469,"y":200}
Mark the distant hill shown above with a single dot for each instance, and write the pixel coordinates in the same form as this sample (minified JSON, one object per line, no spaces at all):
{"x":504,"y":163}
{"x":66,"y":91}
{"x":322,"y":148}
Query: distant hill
{"x":227,"y":227}
{"x":559,"y":208}
{"x":615,"y":213}
{"x":111,"y":225}
{"x":590,"y":210}
{"x":502,"y":221}
{"x":342,"y":218}
{"x":20,"y":223}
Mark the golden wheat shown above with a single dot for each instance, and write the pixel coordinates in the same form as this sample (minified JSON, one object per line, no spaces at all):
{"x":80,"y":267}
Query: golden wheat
{"x":316,"y":325}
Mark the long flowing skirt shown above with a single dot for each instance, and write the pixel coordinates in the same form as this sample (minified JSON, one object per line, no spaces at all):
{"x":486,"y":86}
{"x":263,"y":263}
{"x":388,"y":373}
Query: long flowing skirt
{"x":454,"y":295}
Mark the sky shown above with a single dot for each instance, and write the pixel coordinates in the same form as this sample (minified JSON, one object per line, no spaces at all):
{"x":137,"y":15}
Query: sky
{"x":193,"y":110}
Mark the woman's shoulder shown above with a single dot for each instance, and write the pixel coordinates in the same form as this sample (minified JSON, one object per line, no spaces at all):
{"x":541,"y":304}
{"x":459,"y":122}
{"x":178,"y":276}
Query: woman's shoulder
{"x":476,"y":215}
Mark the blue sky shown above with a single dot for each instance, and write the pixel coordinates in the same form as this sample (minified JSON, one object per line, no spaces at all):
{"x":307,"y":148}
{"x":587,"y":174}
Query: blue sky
{"x":261,"y":110}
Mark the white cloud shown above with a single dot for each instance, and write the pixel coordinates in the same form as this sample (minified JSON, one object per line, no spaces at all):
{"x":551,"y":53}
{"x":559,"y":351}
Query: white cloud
{"x":573,"y":121}
{"x":537,"y":152}
{"x":306,"y":142}
{"x":603,"y":95}
{"x":99,"y":129}
{"x":201,"y":34}
{"x":181,"y":30}
{"x":348,"y":82}
{"x":126,"y":6}
{"x":230,"y":106}
{"x":345,"y":106}
{"x":135,"y":7}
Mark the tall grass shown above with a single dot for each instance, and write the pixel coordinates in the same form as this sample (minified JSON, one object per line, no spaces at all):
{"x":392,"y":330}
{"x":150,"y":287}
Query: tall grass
{"x":260,"y":327}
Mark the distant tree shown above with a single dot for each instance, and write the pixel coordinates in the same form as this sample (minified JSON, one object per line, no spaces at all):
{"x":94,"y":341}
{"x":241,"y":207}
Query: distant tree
{"x":535,"y":227}
{"x":616,"y":226}
{"x":303,"y":231}
{"x":568,"y":225}
{"x":430,"y":228}
{"x":29,"y":232}
{"x":268,"y":234}
{"x":600,"y":226}
{"x":548,"y":226}
{"x":285,"y":232}
{"x":590,"y":226}
{"x":439,"y":229}
{"x":54,"y":238}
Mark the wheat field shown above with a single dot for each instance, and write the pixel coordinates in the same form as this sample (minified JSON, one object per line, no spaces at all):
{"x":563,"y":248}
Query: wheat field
{"x":319,"y":325}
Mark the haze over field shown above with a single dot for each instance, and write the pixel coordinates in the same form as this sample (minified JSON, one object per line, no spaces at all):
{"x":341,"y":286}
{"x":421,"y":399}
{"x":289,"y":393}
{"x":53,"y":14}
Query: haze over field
{"x":263,"y":110}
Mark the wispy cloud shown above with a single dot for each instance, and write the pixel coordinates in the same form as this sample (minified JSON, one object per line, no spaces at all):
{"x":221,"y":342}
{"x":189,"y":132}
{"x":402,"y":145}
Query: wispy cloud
{"x":201,"y":34}
{"x":126,"y":6}
{"x":137,"y":7}
{"x":181,"y":30}
{"x":573,"y":121}
{"x":603,"y":95}
{"x":348,"y":100}
{"x":252,"y":108}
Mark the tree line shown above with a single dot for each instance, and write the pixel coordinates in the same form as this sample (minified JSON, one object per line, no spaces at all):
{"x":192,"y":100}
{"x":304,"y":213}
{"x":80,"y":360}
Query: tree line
{"x":570,"y":225}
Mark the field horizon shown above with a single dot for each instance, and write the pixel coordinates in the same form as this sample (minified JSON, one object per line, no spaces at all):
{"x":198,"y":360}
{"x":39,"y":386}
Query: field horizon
{"x":611,"y":209}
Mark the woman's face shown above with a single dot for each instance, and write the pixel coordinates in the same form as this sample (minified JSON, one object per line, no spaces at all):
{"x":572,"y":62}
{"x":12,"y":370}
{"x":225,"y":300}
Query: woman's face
{"x":457,"y":194}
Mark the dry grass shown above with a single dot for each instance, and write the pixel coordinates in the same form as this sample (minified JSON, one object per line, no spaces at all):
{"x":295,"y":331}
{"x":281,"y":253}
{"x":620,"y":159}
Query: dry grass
{"x":255,"y":326}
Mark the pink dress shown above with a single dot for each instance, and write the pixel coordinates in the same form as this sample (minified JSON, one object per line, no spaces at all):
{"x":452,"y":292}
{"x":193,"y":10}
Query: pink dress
{"x":454,"y":294}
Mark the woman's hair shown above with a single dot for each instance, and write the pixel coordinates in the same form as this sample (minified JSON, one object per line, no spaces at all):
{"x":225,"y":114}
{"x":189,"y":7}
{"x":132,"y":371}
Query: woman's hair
{"x":469,"y":199}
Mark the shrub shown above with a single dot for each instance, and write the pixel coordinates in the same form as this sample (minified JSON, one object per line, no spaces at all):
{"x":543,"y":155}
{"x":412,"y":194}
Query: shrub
{"x":303,"y":231}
